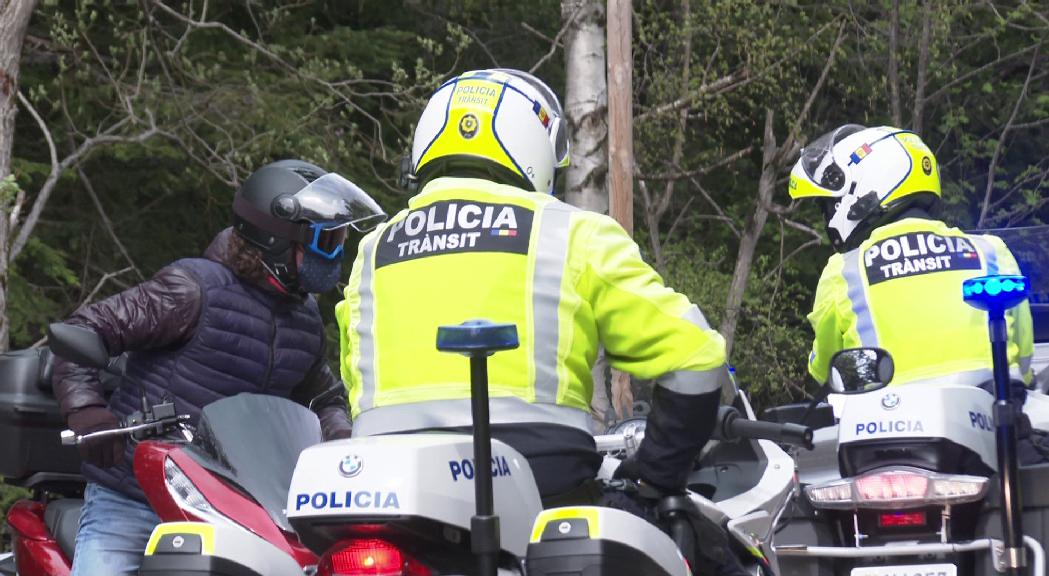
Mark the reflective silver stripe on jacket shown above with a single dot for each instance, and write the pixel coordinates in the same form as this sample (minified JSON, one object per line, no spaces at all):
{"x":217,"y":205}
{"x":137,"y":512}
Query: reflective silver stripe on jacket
{"x":858,"y":297}
{"x":1025,"y":363}
{"x":366,"y":327}
{"x":694,"y":383}
{"x":989,"y":254}
{"x":451,"y":413}
{"x":550,"y":254}
{"x":696,"y":317}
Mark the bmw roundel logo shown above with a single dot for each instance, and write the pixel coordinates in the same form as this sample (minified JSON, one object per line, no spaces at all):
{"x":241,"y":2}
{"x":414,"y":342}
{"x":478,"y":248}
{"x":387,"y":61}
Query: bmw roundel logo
{"x":351,"y":465}
{"x":890,"y":401}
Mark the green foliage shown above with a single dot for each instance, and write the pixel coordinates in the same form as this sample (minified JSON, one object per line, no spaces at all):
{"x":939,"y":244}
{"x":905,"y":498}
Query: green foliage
{"x":8,"y":496}
{"x":341,"y":84}
{"x":773,"y":336}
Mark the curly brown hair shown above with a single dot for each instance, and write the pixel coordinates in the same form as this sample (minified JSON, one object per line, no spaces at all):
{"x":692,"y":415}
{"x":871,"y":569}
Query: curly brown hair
{"x":246,"y":260}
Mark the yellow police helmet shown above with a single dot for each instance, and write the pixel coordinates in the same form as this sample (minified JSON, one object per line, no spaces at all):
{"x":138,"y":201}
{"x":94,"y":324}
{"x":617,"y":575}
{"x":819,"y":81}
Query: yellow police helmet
{"x":865,"y":173}
{"x":504,"y":123}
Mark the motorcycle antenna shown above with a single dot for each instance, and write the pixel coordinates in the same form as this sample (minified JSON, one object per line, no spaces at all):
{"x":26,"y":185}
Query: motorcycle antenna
{"x":479,"y":339}
{"x":996,"y":294}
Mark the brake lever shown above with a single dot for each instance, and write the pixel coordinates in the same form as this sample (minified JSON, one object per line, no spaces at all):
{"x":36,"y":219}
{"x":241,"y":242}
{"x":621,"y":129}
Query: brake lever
{"x":70,"y":438}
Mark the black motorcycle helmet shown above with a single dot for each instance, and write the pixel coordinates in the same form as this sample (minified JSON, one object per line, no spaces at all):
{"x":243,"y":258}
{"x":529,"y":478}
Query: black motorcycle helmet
{"x":292,"y":202}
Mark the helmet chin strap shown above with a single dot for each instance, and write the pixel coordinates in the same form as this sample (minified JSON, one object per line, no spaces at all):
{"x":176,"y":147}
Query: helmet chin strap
{"x":283,"y":274}
{"x":850,"y":214}
{"x":840,"y":223}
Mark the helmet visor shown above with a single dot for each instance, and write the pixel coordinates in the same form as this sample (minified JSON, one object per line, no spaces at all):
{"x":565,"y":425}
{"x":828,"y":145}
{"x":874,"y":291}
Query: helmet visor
{"x":817,"y":159}
{"x":334,"y":202}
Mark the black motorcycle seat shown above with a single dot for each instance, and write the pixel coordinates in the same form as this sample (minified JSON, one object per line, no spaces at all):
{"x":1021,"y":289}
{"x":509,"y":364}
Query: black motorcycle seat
{"x":62,"y":518}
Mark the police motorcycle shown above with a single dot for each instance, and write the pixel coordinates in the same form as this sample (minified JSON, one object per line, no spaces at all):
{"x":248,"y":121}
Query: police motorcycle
{"x":419,"y":505}
{"x":920,"y":479}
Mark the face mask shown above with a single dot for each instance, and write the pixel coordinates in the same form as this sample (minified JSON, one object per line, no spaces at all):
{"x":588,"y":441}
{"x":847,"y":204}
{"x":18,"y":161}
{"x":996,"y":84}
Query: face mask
{"x":318,"y":274}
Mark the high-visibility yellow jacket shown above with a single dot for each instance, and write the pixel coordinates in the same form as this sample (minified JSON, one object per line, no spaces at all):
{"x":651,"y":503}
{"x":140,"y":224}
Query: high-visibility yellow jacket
{"x":901,"y":290}
{"x":569,"y":279}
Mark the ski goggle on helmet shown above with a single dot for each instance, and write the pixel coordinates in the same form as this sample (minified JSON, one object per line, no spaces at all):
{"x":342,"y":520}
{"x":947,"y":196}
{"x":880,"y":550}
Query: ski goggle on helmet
{"x":319,"y":215}
{"x":505,"y":122}
{"x":862,"y":171}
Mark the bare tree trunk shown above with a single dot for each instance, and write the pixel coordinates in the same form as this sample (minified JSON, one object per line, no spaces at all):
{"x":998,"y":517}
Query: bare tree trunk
{"x":586,"y":106}
{"x":14,"y":20}
{"x":655,"y":209}
{"x":894,"y":66}
{"x":751,"y":232}
{"x":586,"y":103}
{"x":923,"y":66}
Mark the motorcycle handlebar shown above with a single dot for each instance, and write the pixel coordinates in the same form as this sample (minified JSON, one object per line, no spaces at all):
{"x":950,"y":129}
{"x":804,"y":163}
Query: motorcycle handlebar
{"x":70,"y":438}
{"x":732,"y":426}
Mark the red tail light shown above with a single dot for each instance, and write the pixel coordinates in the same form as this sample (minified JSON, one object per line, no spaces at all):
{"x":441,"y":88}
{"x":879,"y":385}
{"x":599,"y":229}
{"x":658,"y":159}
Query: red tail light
{"x":369,"y":557}
{"x":901,"y":519}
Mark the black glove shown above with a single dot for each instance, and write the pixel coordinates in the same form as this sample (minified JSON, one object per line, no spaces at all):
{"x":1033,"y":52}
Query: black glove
{"x":338,"y":429}
{"x":102,"y":452}
{"x":334,"y":423}
{"x":630,"y":469}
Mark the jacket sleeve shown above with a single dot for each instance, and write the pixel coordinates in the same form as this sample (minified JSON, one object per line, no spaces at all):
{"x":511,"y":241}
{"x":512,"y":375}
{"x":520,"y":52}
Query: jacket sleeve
{"x":656,"y":333}
{"x":158,"y":313}
{"x":1021,"y":325}
{"x":323,"y":393}
{"x":826,"y":319}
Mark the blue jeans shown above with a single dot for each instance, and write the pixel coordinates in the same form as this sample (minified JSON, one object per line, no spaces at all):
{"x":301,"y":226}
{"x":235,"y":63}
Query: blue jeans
{"x":113,"y":533}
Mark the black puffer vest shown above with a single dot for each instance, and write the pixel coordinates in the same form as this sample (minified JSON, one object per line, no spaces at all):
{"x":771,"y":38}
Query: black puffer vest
{"x":246,"y":340}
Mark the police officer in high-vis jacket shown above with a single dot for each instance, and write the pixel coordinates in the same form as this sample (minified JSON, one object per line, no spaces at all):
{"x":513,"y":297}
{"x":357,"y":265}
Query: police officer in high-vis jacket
{"x":484,"y":238}
{"x":896,"y":281}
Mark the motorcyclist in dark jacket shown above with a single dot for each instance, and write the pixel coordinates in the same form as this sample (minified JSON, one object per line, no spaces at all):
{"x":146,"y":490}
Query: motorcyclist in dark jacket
{"x":241,"y":319}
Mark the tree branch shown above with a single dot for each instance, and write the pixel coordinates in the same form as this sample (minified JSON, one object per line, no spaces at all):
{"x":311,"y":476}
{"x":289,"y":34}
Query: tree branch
{"x":923,"y":67}
{"x":703,"y":170}
{"x":942,"y":89}
{"x":20,"y":200}
{"x":985,"y":207}
{"x":894,"y":77}
{"x":106,"y":137}
{"x":792,"y":136}
{"x":106,"y":221}
{"x":556,"y":42}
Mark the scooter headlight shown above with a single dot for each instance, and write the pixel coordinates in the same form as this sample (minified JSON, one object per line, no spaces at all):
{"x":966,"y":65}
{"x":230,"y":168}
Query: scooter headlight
{"x":188,"y":498}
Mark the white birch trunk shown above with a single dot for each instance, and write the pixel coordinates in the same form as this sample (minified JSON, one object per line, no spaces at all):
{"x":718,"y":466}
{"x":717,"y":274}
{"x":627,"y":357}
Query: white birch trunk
{"x":586,"y":103}
{"x":14,"y":20}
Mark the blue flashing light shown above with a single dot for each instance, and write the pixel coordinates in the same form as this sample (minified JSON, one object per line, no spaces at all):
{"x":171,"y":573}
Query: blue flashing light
{"x":998,"y":292}
{"x":477,"y":336}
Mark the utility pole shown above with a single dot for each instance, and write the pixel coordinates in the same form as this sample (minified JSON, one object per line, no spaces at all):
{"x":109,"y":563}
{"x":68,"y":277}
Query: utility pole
{"x":620,"y":114}
{"x":621,"y":150}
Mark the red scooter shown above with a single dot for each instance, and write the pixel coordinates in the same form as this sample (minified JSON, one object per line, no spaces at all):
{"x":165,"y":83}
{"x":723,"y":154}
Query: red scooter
{"x":215,"y":473}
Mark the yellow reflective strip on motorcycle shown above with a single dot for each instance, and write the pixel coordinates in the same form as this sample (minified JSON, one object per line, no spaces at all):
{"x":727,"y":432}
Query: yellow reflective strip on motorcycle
{"x":589,"y":513}
{"x":205,"y":531}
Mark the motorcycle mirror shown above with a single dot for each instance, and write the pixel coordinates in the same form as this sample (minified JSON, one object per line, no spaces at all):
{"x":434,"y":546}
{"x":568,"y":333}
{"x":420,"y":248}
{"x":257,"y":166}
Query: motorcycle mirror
{"x":858,"y":370}
{"x":77,"y":344}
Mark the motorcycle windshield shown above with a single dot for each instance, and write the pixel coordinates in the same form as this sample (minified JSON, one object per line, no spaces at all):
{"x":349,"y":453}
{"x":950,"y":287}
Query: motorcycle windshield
{"x":332,"y":199}
{"x":1030,"y":246}
{"x":254,"y":441}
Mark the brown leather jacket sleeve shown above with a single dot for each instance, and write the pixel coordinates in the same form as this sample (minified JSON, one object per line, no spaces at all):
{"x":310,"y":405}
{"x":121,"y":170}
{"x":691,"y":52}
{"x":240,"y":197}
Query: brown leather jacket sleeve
{"x":157,"y":313}
{"x":325,"y":394}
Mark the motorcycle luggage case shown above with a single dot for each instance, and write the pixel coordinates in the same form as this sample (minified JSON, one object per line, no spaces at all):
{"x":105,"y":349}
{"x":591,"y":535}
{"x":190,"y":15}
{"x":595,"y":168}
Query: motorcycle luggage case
{"x":593,"y":541}
{"x":201,"y":549}
{"x":30,"y":420}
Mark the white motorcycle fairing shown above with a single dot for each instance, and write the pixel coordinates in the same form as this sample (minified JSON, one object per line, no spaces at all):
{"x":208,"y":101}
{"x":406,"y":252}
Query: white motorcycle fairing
{"x":960,"y":414}
{"x":383,"y":478}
